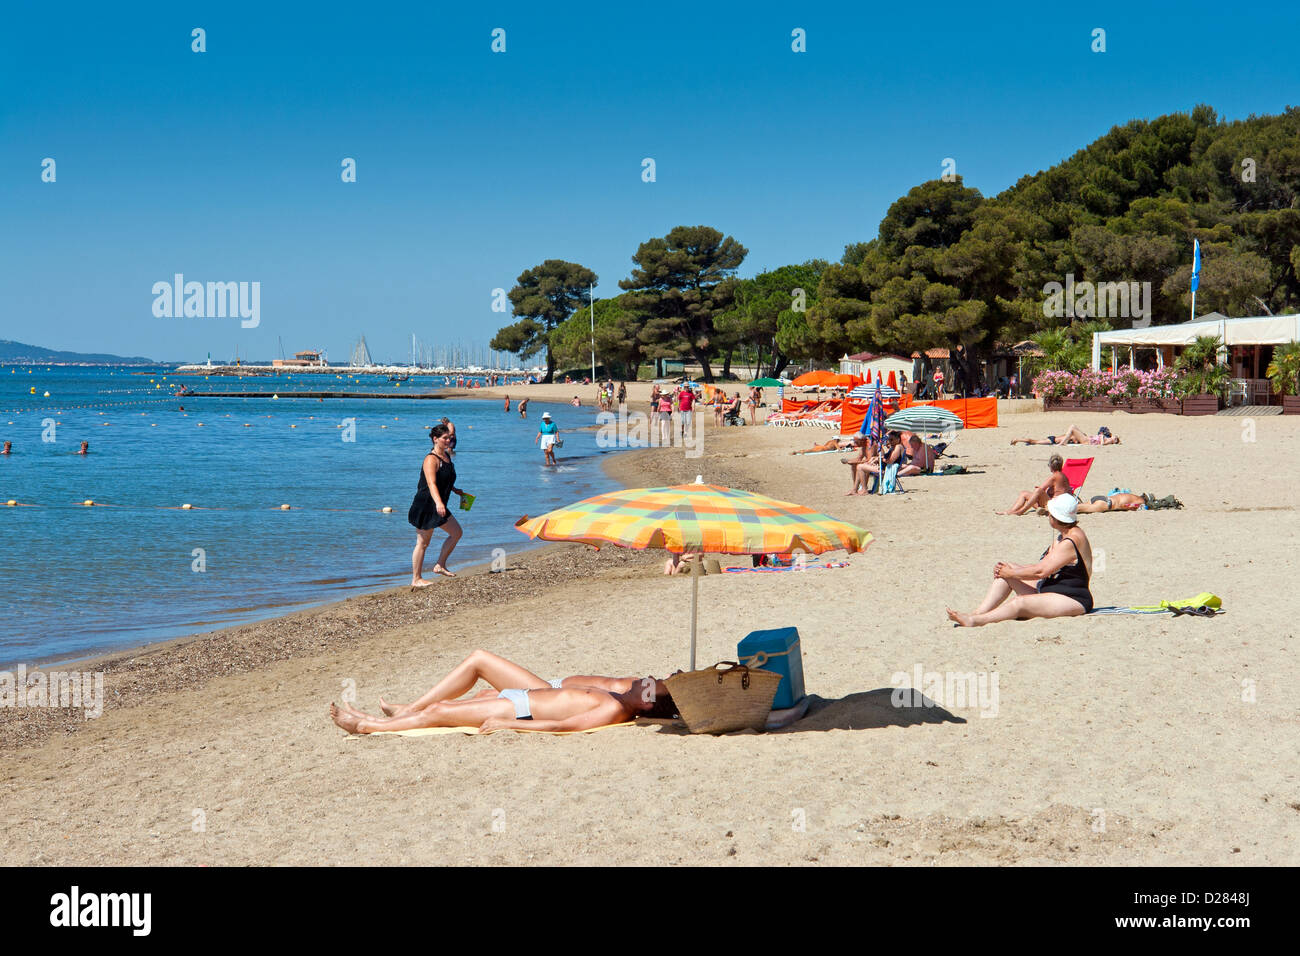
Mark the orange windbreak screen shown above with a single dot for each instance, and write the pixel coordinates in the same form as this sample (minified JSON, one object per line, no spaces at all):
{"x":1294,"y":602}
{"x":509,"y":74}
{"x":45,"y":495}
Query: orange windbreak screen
{"x":974,"y":412}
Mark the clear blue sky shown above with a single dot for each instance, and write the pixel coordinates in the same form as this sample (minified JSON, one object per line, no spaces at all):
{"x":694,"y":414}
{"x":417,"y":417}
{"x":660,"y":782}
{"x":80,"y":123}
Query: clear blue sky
{"x":473,"y":166}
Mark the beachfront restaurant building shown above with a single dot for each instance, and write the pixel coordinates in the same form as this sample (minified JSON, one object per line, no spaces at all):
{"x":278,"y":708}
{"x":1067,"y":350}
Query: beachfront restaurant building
{"x":1248,"y":343}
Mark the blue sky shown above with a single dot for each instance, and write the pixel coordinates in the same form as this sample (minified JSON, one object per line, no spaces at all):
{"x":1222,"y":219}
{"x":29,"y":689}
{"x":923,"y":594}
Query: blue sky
{"x":473,"y":166}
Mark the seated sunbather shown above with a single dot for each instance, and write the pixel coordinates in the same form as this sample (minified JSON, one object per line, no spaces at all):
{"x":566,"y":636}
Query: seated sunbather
{"x":1057,"y":586}
{"x":1075,"y":436}
{"x":519,"y":700}
{"x":891,"y":454}
{"x":920,"y":458}
{"x":865,"y":453}
{"x":1056,"y":484}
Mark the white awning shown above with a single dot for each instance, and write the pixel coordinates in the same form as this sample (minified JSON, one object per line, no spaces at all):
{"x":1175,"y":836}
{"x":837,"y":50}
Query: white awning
{"x":1253,"y":330}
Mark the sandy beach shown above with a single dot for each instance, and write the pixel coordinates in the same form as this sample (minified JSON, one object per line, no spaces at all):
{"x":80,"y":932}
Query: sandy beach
{"x":1111,"y":739}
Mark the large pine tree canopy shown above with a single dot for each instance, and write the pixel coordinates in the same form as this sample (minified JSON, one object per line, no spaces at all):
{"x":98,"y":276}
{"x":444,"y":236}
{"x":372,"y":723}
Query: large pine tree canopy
{"x":952,"y":269}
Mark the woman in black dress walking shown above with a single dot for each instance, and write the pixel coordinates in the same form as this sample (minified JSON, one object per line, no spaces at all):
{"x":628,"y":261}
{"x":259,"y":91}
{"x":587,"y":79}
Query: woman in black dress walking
{"x":429,"y":509}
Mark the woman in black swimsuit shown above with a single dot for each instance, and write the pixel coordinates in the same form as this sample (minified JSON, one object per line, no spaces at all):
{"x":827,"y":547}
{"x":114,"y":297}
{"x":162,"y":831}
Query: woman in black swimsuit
{"x":1057,"y":586}
{"x":429,"y":509}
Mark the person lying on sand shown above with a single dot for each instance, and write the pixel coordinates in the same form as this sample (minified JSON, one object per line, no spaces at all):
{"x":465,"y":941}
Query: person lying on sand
{"x":519,"y":700}
{"x":1115,"y":501}
{"x":1057,"y":586}
{"x":1056,"y":484}
{"x":835,"y":444}
{"x":1075,"y":436}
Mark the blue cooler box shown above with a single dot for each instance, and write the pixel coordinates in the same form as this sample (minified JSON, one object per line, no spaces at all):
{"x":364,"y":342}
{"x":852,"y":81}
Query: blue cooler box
{"x":776,"y":651}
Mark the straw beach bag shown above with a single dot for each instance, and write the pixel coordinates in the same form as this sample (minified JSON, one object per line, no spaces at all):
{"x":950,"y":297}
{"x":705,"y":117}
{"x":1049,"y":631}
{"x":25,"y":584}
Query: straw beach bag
{"x":725,"y":697}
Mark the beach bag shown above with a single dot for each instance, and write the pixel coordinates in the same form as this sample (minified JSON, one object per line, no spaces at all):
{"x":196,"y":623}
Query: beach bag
{"x":724,"y":698}
{"x":1160,"y":504}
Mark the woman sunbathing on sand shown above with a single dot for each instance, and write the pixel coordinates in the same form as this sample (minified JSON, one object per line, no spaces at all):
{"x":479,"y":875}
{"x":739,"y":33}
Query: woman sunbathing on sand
{"x":1115,"y":501}
{"x":518,"y":700}
{"x":1075,"y":436}
{"x":1061,"y":576}
{"x":840,"y":444}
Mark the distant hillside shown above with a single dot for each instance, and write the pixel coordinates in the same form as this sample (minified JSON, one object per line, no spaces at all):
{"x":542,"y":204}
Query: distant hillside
{"x":16,"y":353}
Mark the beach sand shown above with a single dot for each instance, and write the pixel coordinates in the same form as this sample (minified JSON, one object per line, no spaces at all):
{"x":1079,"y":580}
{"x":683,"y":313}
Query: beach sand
{"x":1115,"y":739}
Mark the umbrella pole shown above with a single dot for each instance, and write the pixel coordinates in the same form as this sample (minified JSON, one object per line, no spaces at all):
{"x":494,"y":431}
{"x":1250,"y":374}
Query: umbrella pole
{"x":695,"y":600}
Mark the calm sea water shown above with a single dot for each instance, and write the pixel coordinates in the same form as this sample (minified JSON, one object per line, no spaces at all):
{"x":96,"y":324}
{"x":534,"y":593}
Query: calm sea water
{"x":76,"y":580}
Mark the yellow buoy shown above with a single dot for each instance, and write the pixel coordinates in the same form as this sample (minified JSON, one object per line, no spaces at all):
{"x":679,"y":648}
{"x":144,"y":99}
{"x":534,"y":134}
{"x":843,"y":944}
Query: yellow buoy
{"x":246,"y":425}
{"x":275,"y":396}
{"x":88,"y":502}
{"x":386,"y":510}
{"x":284,"y":507}
{"x":33,"y":387}
{"x":293,"y":426}
{"x":11,"y":503}
{"x":186,"y":507}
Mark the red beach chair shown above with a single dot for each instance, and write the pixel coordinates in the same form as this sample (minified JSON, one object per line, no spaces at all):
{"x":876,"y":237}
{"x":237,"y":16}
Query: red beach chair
{"x":1075,"y":471}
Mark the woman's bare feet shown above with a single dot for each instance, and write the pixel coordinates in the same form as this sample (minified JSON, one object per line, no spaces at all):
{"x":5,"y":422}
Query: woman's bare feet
{"x":439,"y":569}
{"x":348,"y":722}
{"x":419,"y":583}
{"x":390,"y":710}
{"x":965,"y":620}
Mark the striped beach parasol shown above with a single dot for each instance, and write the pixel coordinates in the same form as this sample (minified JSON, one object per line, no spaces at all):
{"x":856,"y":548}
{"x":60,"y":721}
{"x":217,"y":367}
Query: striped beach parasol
{"x":868,"y":390}
{"x":695,"y":519}
{"x":924,"y":418}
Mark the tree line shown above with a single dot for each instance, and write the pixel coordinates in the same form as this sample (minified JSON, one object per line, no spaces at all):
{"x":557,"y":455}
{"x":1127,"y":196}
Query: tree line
{"x":952,"y":269}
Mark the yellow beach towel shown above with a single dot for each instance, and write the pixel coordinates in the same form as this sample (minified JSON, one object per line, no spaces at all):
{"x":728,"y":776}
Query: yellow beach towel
{"x":1204,"y":599}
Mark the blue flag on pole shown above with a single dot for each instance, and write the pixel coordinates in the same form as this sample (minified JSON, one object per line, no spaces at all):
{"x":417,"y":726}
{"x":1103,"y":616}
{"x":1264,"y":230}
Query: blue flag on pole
{"x":1196,"y":264}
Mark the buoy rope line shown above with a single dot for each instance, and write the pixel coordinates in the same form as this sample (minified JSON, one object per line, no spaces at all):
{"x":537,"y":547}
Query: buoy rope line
{"x":91,"y":503}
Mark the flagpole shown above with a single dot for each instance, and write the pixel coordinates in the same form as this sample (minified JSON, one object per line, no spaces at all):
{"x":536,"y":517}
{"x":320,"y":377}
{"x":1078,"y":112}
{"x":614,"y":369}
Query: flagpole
{"x":591,"y":291}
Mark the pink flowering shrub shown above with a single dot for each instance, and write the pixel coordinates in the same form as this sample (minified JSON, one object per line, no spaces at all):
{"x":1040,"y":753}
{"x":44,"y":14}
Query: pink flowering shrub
{"x":1119,"y":386}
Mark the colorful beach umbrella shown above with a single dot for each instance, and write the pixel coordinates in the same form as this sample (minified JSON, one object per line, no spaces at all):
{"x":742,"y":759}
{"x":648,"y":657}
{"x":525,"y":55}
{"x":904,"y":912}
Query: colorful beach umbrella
{"x":695,"y":519}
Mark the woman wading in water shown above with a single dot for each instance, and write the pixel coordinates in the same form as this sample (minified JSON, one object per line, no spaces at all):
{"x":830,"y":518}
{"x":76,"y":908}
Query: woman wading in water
{"x":429,"y":509}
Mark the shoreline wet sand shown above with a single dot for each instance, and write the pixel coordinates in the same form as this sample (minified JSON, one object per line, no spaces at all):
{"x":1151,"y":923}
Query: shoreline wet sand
{"x":1113,"y":740}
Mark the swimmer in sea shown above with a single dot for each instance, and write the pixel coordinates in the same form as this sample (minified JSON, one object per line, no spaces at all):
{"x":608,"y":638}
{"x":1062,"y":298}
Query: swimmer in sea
{"x":84,"y":449}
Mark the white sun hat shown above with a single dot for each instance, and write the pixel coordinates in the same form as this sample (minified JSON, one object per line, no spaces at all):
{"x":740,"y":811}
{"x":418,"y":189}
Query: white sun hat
{"x":1064,"y":508}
